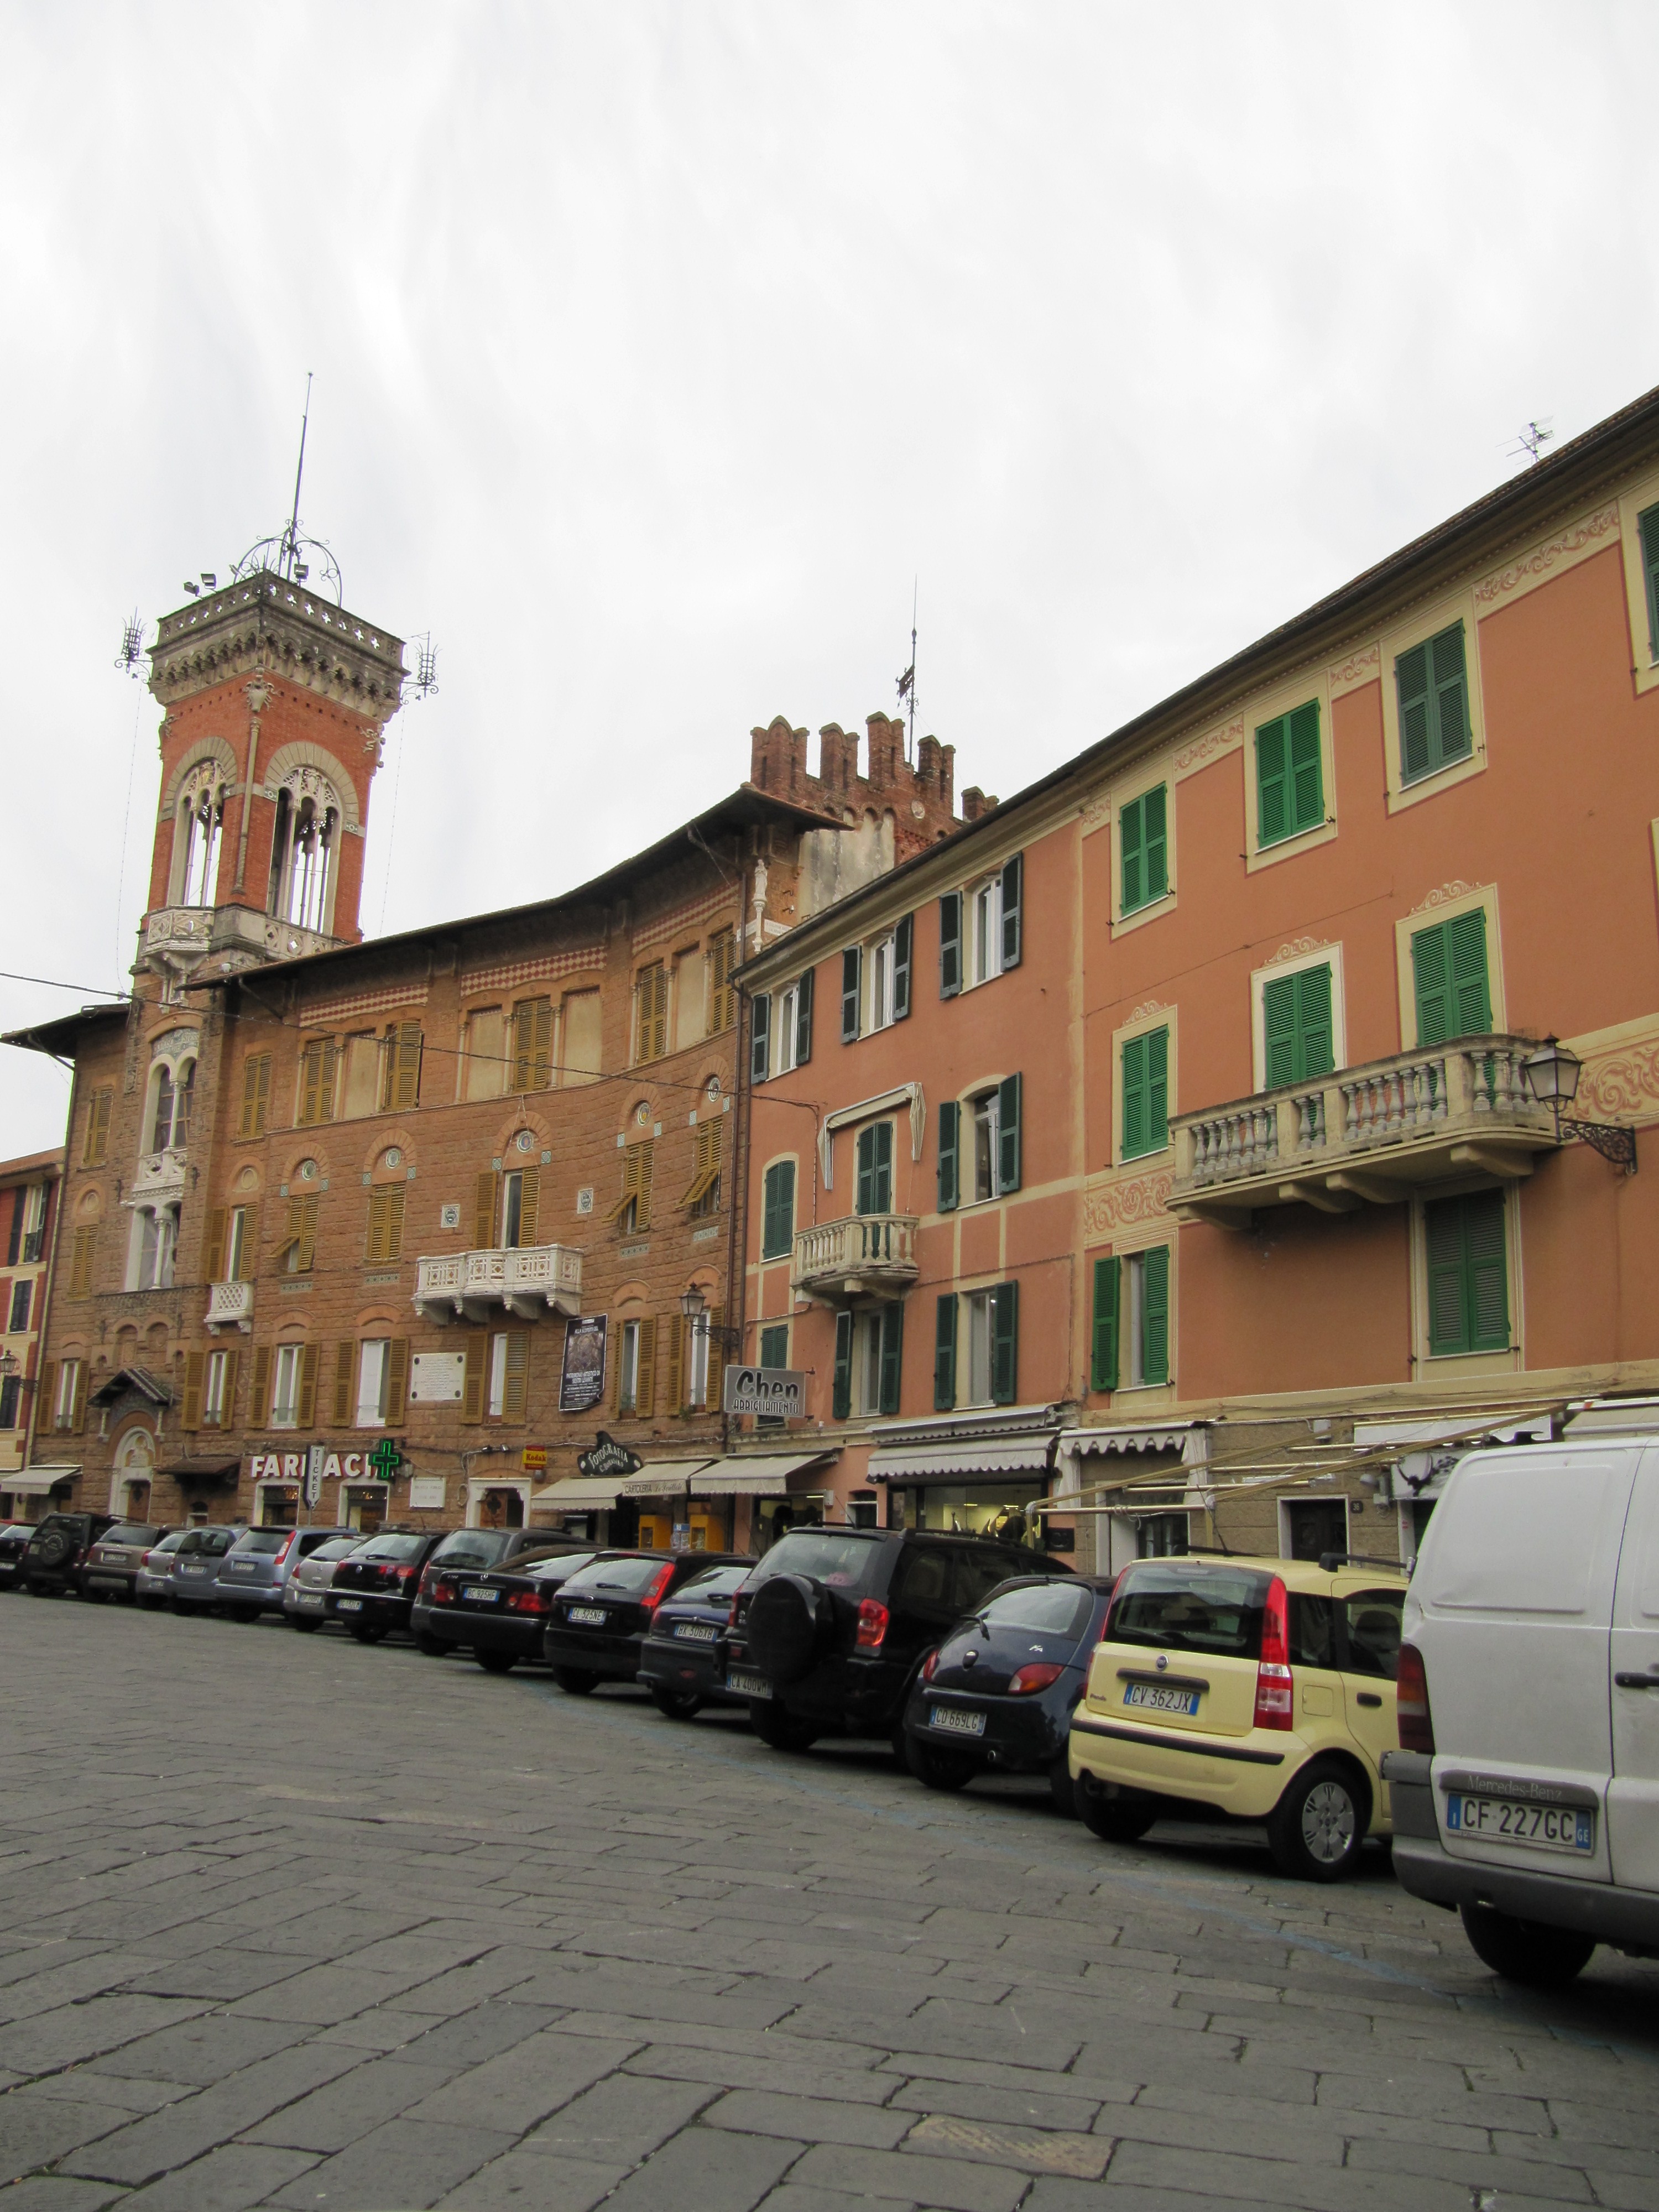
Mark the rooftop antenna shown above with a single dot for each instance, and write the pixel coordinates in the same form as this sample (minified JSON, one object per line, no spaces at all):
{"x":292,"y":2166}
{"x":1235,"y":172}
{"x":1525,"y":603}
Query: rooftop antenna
{"x":1532,"y":441}
{"x":133,"y":645}
{"x":906,"y":682}
{"x":291,"y":548}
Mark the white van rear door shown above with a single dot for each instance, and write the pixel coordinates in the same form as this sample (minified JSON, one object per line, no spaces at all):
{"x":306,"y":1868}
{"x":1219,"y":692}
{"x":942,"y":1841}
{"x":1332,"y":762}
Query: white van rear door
{"x":1516,"y":1589}
{"x":1633,"y":1793}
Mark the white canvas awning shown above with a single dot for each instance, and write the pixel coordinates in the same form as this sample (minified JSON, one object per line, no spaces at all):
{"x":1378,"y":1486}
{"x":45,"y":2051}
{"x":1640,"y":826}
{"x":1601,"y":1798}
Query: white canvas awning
{"x":1191,"y":1439}
{"x":752,"y":1475}
{"x":973,"y":1457}
{"x":38,"y":1478}
{"x":578,"y":1494}
{"x":666,"y":1478}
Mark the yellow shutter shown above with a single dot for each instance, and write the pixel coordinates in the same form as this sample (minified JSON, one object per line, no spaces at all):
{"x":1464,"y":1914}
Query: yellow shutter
{"x":645,"y":1388}
{"x":191,"y":1416}
{"x":306,"y":1411}
{"x":213,"y":1246}
{"x":344,"y":1359}
{"x":400,"y":1087}
{"x":477,"y":1348}
{"x":394,"y":1224}
{"x":256,"y":1094}
{"x":642,"y":1217}
{"x":676,"y":1326}
{"x":722,"y":999}
{"x":98,"y":1113}
{"x":397,"y":1381}
{"x":302,"y":1238}
{"x":707,"y":1172}
{"x":615,"y":1356}
{"x":516,"y":1393}
{"x":532,"y":1044}
{"x":630,"y":1181}
{"x":529,"y":1202}
{"x":311,"y":1078}
{"x":375,"y":1245}
{"x":258,"y":1409}
{"x":78,"y":1405}
{"x":228,"y":1402}
{"x":46,"y":1414}
{"x":651,"y":1011}
{"x":716,"y":1359}
{"x":81,"y":1254}
{"x":249,"y":1265}
{"x":484,"y":1210}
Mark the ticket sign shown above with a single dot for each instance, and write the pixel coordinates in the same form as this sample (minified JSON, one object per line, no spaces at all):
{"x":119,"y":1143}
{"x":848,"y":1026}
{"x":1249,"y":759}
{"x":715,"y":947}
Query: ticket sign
{"x":772,"y":1393}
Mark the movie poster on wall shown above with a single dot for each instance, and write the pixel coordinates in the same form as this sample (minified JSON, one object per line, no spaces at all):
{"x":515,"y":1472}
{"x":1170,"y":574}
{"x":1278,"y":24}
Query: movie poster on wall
{"x":581,"y":1383}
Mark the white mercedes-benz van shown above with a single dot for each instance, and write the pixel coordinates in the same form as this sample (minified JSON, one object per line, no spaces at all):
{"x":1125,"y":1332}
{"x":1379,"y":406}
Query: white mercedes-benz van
{"x":1526,"y":1790}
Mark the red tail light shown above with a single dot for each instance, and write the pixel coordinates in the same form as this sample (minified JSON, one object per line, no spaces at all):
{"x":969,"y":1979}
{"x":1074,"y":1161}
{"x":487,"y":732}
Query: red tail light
{"x":444,"y":1594}
{"x":1029,"y":1679}
{"x":731,"y":1617}
{"x":1275,"y":1685}
{"x":292,"y":1535}
{"x":928,"y":1666}
{"x":1412,"y":1710}
{"x":405,"y":1574}
{"x":872,"y":1624}
{"x":659,"y":1589}
{"x":530,"y":1601}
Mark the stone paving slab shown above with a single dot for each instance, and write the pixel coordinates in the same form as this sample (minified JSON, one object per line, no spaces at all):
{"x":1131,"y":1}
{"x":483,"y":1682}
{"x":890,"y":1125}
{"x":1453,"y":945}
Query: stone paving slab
{"x":499,"y":1950}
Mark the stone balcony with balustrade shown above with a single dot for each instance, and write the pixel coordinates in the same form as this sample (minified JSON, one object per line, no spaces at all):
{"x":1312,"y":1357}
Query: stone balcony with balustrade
{"x":230,"y":1305}
{"x":529,"y":1281}
{"x":864,"y":1255}
{"x":1362,"y":1136}
{"x":177,"y":937}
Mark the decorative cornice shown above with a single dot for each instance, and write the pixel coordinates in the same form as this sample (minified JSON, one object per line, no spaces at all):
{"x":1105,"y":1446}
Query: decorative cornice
{"x":1226,"y":737}
{"x":1446,"y":895}
{"x":1362,"y":665}
{"x":1622,"y":1087}
{"x":1114,"y":1201}
{"x":1297,"y":948}
{"x":264,"y":627}
{"x":1145,"y":1013}
{"x":1578,"y":537}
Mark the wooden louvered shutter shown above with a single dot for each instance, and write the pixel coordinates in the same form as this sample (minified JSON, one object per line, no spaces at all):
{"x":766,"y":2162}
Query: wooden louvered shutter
{"x":778,"y":1210}
{"x":1411,"y":676}
{"x":1272,"y":794}
{"x":485,"y":1207}
{"x":1466,"y":963}
{"x":642,"y":1184}
{"x":1488,"y":1272}
{"x":677,"y":1327}
{"x":476,"y":1352}
{"x":529,"y":1205}
{"x":722,"y":999}
{"x":376,"y":1246}
{"x":949,"y":944}
{"x":515,"y":1386}
{"x":852,"y":964}
{"x":213,"y":1246}
{"x":397,"y":1381}
{"x":1104,"y":1353}
{"x":1305,"y":776}
{"x":645,"y":1380}
{"x":1013,"y":911}
{"x":1009,"y":1141}
{"x":402,"y":1086}
{"x":949,"y":1153}
{"x":903,"y":940}
{"x":1649,"y":525}
{"x":227,"y":1395}
{"x":82,"y":1252}
{"x":1449,"y":679}
{"x":1429,"y":983}
{"x":715,"y":1387}
{"x":306,"y":1257}
{"x":841,"y":1403}
{"x":47,"y":1416}
{"x":306,"y":1416}
{"x":1156,"y":845}
{"x":532,"y":1044}
{"x":1155,"y":1315}
{"x":98,"y":1114}
{"x":256,"y":1094}
{"x":1130,"y":859}
{"x":77,"y":1412}
{"x":394,"y":1224}
{"x":892,"y":1357}
{"x":760,"y":1038}
{"x":1442,"y":1228}
{"x":863,"y":1199}
{"x":1316,"y":1045}
{"x":1279,"y":1039}
{"x":804,"y":1019}
{"x":190,"y":1416}
{"x":945,"y":1353}
{"x":247,"y":1264}
{"x":345,"y":1361}
{"x":1005,"y":1343}
{"x":258,"y":1410}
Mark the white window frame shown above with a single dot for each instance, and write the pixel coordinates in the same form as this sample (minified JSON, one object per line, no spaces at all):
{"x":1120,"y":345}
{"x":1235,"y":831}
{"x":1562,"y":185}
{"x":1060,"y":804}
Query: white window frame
{"x":285,"y":1379}
{"x":68,"y":1375}
{"x":374,"y":1363}
{"x":497,"y":1396}
{"x":1132,"y":1321}
{"x":234,"y":1243}
{"x":984,"y":903}
{"x":879,"y":960}
{"x":786,"y":1009}
{"x":213,"y":1391}
{"x":984,"y":1110}
{"x":696,"y":1395}
{"x":512,"y":1201}
{"x":628,"y":1370}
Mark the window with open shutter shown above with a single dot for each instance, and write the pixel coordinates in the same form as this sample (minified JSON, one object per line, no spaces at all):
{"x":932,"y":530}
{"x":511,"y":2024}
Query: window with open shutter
{"x":475,"y":1361}
{"x":949,"y":944}
{"x":1154,"y":1316}
{"x":1449,"y":978}
{"x":1009,"y":1142}
{"x":722,"y":994}
{"x":1468,"y":1297}
{"x":1014,"y":924}
{"x":400,"y":1082}
{"x":83,"y":1253}
{"x":318,"y":1061}
{"x":259,"y":1411}
{"x":760,"y":1038}
{"x":345,"y":1375}
{"x":703,"y":1194}
{"x":852,"y":971}
{"x":903,"y":940}
{"x":256,"y":1094}
{"x":804,"y":1019}
{"x":397,"y":1381}
{"x":1648,"y":527}
{"x":305,"y":1417}
{"x":675,"y":1326}
{"x":651,"y":1013}
{"x":213,"y":1245}
{"x":840,"y":1404}
{"x":892,"y":1368}
{"x":1005,"y":1344}
{"x":1431,"y":681}
{"x":1145,"y":1086}
{"x":100,"y":1107}
{"x":874,"y":1192}
{"x":1297,"y":1037}
{"x":385,"y":1223}
{"x":1290,"y":781}
{"x":1143,"y":850}
{"x":190,"y":1415}
{"x":632,"y":1210}
{"x":532,"y":1044}
{"x":945,"y":1353}
{"x":645,"y":1375}
{"x":778,"y":1211}
{"x":1103,"y":1352}
{"x":950,"y":1154}
{"x":300,"y":1245}
{"x":516,"y":1393}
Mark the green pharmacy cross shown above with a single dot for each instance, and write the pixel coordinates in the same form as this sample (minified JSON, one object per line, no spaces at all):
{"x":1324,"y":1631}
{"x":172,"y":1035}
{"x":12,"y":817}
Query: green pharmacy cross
{"x":385,"y":1460}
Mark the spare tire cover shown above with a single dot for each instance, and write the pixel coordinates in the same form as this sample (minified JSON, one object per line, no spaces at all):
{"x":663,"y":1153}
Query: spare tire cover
{"x":53,"y":1549}
{"x":785,"y":1625}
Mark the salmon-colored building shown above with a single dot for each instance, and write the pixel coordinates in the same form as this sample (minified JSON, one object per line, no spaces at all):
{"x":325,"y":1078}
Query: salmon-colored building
{"x":1168,"y":1147}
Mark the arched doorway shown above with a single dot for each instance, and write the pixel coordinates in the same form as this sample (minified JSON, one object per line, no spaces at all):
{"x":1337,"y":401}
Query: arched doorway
{"x":130,"y":1485}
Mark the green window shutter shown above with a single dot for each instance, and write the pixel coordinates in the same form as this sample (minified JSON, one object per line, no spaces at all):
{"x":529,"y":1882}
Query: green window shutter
{"x":1005,"y":1344}
{"x":804,"y":1019}
{"x":1449,"y":975}
{"x":1297,"y":1037}
{"x":1272,"y":810}
{"x":775,"y":1344}
{"x":903,"y":936}
{"x":1154,"y":1316}
{"x":1467,"y":1274}
{"x":851,"y":970}
{"x":949,"y":1153}
{"x":1648,"y":524}
{"x":1013,"y":927}
{"x":778,"y":1211}
{"x":1157,"y":843}
{"x":892,"y":1357}
{"x":1278,"y":1031}
{"x":760,"y":1036}
{"x":1429,"y":981}
{"x":1102,"y":1362}
{"x":1158,"y":1090}
{"x":864,"y":1198}
{"x":1135,"y":1097}
{"x":1144,"y":856}
{"x":1306,"y":774}
{"x":1442,"y":1224}
{"x":882,"y":1167}
{"x":1411,"y":676}
{"x":840,"y":1404}
{"x":945,"y":1354}
{"x":1451,"y":695}
{"x":949,"y":944}
{"x":1009,"y":1147}
{"x":1147,"y":1093}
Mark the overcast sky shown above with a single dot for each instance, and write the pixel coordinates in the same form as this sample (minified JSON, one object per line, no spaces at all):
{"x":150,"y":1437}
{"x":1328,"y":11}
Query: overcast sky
{"x":659,"y":347}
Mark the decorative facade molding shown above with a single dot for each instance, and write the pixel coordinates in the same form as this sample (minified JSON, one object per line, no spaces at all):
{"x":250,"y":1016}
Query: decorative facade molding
{"x":509,"y":974}
{"x":691,"y":914}
{"x":311,"y":771}
{"x":1297,"y":948}
{"x":264,"y":626}
{"x":1622,"y":1085}
{"x":1576,"y":540}
{"x":1117,"y":1201}
{"x":1447,"y":894}
{"x":1226,"y":737}
{"x":1362,"y":665}
{"x":1097,"y":813}
{"x":1145,"y":1013}
{"x":318,"y":1013}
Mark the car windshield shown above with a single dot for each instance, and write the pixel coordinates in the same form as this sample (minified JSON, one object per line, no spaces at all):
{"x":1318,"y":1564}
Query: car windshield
{"x":1056,"y":1608}
{"x":842,"y":1561}
{"x":338,"y":1547}
{"x":264,"y":1540}
{"x":711,"y":1583}
{"x":627,"y":1574}
{"x":392,"y":1547}
{"x":129,"y":1531}
{"x":1179,"y":1606}
{"x":472,"y":1547}
{"x":175,"y":1542}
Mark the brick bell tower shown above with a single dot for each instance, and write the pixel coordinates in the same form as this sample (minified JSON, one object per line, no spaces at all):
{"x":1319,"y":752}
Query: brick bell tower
{"x":276,"y":701}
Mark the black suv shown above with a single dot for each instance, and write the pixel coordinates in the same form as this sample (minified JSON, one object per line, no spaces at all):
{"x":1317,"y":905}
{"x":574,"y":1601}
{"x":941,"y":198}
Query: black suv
{"x":57,"y":1550}
{"x":828,"y":1633}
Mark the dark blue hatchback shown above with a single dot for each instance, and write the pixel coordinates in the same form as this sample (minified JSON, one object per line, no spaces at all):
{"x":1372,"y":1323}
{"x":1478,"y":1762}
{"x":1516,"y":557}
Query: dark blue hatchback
{"x":996,"y":1696}
{"x":680,"y":1660}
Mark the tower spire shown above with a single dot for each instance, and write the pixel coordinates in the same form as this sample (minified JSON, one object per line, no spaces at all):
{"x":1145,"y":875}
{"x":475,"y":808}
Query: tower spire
{"x":291,"y":548}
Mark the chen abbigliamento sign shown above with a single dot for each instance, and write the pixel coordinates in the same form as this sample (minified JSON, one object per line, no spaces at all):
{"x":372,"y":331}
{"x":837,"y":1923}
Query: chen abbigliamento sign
{"x":773,"y":1394}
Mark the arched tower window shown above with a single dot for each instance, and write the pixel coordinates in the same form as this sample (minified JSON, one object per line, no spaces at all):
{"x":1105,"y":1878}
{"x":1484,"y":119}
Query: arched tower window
{"x":302,"y":856}
{"x":198,"y":829}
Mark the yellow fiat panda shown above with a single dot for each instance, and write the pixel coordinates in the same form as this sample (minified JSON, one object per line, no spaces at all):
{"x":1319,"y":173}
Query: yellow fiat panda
{"x":1254,"y":1689}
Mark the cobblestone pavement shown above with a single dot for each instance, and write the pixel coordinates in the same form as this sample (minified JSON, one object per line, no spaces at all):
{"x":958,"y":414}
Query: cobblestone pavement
{"x":285,"y":1921}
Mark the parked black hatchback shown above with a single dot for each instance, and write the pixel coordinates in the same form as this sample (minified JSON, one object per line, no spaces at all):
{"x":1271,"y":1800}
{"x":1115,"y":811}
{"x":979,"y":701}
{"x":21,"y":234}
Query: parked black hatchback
{"x":500,"y":1612}
{"x":829,"y":1631}
{"x":373,"y":1592}
{"x":679,"y":1660}
{"x":482,"y":1548}
{"x":602,"y":1615}
{"x":57,"y":1551}
{"x":996,"y":1696}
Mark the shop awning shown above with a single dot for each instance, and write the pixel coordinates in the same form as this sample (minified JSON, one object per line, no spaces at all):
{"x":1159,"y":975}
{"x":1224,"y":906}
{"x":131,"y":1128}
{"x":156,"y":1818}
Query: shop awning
{"x":973,"y":1458}
{"x":753,"y":1475}
{"x":203,"y":1473}
{"x":39,"y":1479}
{"x":1425,"y":1452}
{"x":663,"y":1478}
{"x":1189,"y":1438}
{"x":578,"y":1493}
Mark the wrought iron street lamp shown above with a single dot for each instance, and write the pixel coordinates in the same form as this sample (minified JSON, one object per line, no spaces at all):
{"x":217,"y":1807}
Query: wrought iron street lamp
{"x":1552,"y":1073}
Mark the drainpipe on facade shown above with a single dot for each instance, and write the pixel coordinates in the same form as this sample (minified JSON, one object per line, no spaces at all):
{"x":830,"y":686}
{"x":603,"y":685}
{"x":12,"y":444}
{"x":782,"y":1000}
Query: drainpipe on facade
{"x":736,"y":1282}
{"x":49,"y":1280}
